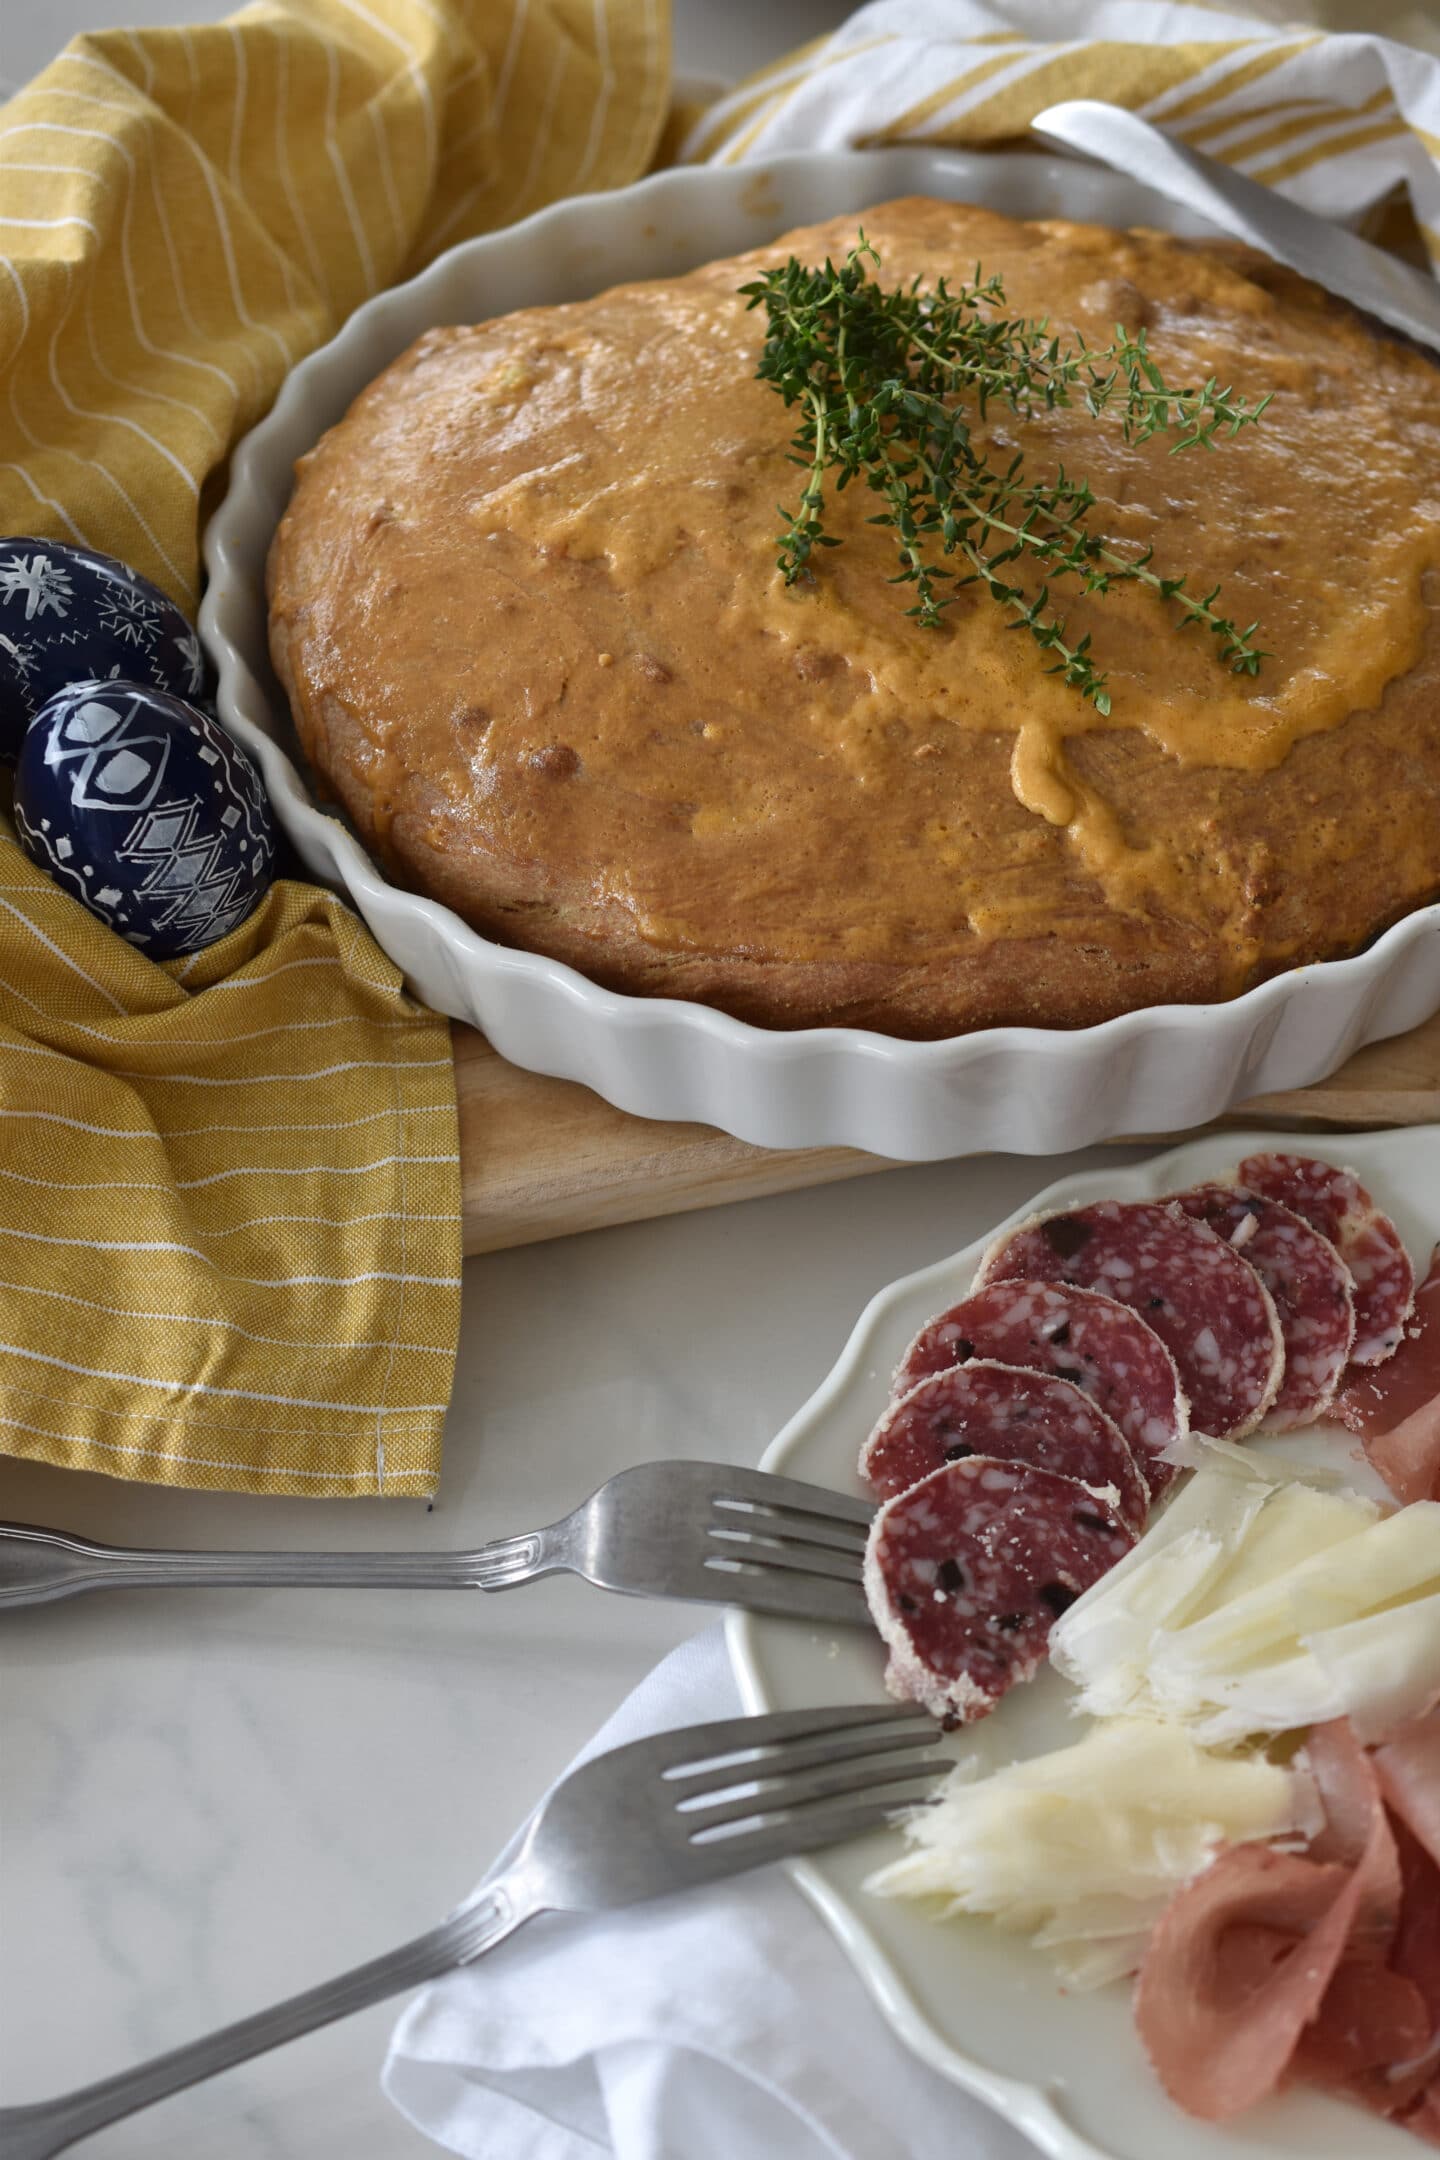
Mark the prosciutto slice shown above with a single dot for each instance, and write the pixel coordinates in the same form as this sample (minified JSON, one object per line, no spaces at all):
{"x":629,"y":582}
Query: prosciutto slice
{"x":1395,"y":1407}
{"x":1376,"y":2038}
{"x":1371,"y":2017}
{"x":1323,"y":1966}
{"x":1376,"y":1398}
{"x":1417,"y":1942}
{"x":1242,"y":1963}
{"x":1408,"y":1766}
{"x":1408,"y":1456}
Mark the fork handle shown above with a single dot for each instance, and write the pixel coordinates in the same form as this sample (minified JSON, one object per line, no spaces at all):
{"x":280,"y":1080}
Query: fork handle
{"x":52,"y":2126}
{"x":38,"y":1565}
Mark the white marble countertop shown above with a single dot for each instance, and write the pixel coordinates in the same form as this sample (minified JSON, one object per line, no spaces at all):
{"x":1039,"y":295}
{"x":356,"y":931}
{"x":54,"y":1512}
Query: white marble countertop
{"x":209,"y":1801}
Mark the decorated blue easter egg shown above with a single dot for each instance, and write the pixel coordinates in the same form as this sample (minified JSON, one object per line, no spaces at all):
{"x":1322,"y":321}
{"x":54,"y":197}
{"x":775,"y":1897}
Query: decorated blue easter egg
{"x":68,"y":615}
{"x":144,"y":808}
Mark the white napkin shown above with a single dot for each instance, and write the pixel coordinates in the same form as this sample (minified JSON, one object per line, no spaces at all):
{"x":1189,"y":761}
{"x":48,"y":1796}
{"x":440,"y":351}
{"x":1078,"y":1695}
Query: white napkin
{"x":721,"y":2023}
{"x":1356,"y":114}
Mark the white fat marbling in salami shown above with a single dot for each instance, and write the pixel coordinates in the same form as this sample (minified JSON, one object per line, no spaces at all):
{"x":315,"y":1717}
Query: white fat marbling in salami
{"x":1311,"y":1287}
{"x":1080,"y":1336}
{"x":1335,"y":1203}
{"x":967,"y":1572}
{"x":1015,"y":1416}
{"x":1206,"y":1303}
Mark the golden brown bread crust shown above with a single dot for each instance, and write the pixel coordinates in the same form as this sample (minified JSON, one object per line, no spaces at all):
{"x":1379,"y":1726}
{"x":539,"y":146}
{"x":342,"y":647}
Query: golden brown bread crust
{"x":524,"y":606}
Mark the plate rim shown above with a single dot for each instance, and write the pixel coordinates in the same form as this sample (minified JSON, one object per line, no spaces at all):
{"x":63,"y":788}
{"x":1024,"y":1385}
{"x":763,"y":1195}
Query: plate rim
{"x":1027,"y":2105}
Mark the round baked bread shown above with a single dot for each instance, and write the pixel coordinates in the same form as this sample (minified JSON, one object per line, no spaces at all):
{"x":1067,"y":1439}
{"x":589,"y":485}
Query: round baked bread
{"x":526,"y":607}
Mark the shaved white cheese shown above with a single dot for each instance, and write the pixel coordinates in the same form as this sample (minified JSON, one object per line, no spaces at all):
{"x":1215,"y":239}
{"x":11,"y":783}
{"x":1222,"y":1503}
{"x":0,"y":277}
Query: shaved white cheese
{"x":1384,"y":1668}
{"x":1224,"y":1709}
{"x":1316,"y":1607}
{"x":1082,"y":1966}
{"x":1362,"y":1565}
{"x":1082,"y":1848}
{"x":1296,"y":1524}
{"x":1097,"y":1940}
{"x":1262,"y":1458}
{"x":1105,"y":1652}
{"x":1103,"y":1641}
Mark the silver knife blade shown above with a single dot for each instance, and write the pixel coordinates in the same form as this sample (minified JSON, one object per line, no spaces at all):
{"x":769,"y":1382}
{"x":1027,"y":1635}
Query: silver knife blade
{"x":1365,"y":275}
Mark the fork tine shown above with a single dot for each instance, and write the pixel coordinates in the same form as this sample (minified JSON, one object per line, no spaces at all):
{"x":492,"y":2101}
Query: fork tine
{"x":807,"y":1832}
{"x":777,"y":1799}
{"x":797,"y":1755}
{"x":693,"y":1745}
{"x":722,"y":1545}
{"x":762,"y":1488}
{"x":783,"y":1595}
{"x":787,"y":1523}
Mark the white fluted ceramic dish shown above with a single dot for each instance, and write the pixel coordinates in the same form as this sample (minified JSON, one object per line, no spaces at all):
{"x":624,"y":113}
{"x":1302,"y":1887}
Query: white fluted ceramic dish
{"x":980,"y":2006}
{"x":1027,"y":1090}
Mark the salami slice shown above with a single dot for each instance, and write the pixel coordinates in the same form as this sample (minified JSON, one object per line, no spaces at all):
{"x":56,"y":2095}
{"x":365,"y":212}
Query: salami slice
{"x":1311,"y":1287}
{"x":1080,"y":1336}
{"x":967,"y":1572}
{"x":1335,"y":1203}
{"x":1207,"y":1304}
{"x":1014,"y":1416}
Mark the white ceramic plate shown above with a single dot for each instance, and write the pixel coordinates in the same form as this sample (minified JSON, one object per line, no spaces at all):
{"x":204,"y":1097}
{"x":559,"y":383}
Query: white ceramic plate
{"x":984,"y":2008}
{"x":1026,"y":1090}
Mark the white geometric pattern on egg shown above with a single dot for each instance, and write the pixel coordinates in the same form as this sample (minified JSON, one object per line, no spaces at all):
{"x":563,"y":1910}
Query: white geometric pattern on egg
{"x":144,"y":809}
{"x":69,"y":615}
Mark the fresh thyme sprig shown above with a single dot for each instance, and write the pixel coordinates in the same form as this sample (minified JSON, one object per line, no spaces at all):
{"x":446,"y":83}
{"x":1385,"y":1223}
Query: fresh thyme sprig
{"x":889,"y":385}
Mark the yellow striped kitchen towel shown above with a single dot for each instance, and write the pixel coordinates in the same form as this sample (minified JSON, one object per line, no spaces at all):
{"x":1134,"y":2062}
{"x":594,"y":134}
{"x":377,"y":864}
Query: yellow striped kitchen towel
{"x":229,"y":1185}
{"x":1339,"y":123}
{"x":185,"y":213}
{"x":229,"y":1202}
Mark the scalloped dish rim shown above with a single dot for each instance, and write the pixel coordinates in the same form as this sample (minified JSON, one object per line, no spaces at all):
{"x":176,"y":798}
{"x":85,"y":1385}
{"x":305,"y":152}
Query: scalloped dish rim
{"x":1158,"y":1068}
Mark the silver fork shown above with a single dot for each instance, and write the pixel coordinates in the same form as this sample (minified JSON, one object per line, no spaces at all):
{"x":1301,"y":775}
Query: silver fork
{"x":666,"y":1813}
{"x":690,"y":1530}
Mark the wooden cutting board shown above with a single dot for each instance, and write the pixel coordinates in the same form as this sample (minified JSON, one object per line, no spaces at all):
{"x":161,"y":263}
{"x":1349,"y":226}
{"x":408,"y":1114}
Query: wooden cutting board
{"x":542,"y":1158}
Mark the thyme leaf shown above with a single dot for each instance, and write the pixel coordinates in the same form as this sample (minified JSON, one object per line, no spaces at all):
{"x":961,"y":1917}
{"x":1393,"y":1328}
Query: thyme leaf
{"x":889,"y":387}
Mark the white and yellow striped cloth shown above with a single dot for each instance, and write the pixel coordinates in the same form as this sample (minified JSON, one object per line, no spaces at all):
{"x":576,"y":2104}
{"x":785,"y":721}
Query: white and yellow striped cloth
{"x":1340,"y":123}
{"x":229,"y":1202}
{"x":229,"y":1187}
{"x":185,"y":213}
